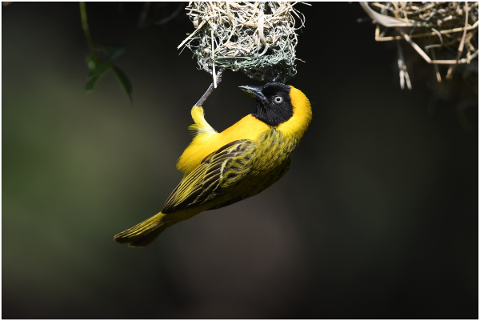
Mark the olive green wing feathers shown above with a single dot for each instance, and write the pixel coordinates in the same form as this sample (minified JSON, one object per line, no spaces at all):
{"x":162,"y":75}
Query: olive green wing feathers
{"x":214,"y":179}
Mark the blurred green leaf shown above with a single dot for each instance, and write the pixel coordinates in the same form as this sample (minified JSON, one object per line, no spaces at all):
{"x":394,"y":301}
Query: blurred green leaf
{"x":112,"y":51}
{"x":98,"y":67}
{"x":100,"y":59}
{"x":124,"y":81}
{"x":91,"y":83}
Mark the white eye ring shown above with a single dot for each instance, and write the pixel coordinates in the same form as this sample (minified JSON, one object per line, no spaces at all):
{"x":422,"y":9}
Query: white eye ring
{"x":278,"y":99}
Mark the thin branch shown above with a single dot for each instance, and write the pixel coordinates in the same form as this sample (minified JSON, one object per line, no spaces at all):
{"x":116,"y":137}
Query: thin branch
{"x":211,"y":88}
{"x":86,"y":30}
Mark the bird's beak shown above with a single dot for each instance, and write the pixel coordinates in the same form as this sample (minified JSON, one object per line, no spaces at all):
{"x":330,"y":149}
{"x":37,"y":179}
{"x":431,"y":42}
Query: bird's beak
{"x":255,"y":92}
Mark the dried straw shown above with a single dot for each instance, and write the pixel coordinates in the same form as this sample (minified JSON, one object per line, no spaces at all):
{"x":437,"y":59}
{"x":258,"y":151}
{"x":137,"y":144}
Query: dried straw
{"x":442,"y":33}
{"x":257,"y":38}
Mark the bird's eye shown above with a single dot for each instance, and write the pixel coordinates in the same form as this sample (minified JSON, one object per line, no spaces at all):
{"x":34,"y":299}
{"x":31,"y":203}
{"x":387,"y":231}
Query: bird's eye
{"x":278,"y":99}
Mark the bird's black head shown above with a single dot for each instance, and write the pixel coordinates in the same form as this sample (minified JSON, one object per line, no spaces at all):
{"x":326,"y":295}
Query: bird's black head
{"x":273,"y":102}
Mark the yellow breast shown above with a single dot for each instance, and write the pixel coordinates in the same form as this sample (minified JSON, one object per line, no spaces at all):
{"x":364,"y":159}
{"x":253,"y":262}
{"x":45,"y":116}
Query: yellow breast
{"x":205,"y":143}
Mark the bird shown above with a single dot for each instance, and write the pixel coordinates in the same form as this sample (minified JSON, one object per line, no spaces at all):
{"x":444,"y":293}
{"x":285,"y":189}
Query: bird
{"x":222,"y":168}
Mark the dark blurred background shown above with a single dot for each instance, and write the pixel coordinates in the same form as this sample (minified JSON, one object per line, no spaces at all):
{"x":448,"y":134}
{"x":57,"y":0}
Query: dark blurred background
{"x":377,"y":218}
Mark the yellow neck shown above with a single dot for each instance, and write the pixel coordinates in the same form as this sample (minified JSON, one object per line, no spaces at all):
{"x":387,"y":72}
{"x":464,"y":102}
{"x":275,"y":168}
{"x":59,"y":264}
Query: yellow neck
{"x":302,"y":115}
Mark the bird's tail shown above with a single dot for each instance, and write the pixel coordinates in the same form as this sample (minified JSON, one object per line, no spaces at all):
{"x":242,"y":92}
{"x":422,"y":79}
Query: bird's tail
{"x":143,"y":233}
{"x":201,"y":125}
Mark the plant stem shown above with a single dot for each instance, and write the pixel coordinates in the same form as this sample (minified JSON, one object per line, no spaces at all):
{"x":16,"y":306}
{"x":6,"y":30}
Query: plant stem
{"x":86,"y":30}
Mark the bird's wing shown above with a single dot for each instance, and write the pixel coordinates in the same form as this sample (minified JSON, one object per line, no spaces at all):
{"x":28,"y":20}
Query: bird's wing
{"x":214,"y":177}
{"x":252,"y":192}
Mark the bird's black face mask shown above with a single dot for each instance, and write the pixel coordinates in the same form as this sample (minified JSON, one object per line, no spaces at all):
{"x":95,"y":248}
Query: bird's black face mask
{"x":273,"y":102}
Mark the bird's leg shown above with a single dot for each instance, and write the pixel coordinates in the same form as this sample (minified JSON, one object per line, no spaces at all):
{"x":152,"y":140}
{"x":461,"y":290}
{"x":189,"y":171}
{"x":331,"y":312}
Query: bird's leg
{"x":212,"y":85}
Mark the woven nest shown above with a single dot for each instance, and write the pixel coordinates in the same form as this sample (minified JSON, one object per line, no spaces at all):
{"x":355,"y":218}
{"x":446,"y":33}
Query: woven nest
{"x":442,"y":33}
{"x":257,"y":38}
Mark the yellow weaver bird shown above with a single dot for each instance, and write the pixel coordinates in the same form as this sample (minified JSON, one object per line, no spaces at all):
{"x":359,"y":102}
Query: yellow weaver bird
{"x":243,"y":160}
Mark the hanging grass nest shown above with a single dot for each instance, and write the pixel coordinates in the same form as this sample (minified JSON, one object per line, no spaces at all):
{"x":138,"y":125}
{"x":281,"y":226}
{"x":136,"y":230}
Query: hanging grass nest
{"x":257,"y":38}
{"x":442,"y":33}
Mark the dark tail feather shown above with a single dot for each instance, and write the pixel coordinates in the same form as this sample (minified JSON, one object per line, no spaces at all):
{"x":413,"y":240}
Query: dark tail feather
{"x":143,"y":233}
